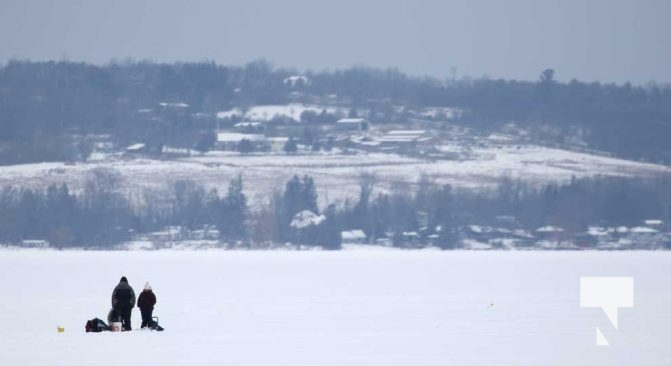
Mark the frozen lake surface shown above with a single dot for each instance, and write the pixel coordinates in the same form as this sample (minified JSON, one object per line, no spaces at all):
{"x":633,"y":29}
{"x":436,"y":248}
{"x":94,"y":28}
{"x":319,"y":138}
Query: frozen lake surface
{"x":359,"y":307}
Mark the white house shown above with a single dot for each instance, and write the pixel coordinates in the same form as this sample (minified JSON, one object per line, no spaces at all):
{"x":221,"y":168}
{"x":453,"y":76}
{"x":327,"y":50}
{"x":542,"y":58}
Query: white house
{"x":42,"y":244}
{"x":135,"y":150}
{"x":178,"y":109}
{"x":404,"y":137}
{"x":353,"y":237}
{"x":297,"y":80}
{"x":654,"y":223}
{"x":229,"y":141}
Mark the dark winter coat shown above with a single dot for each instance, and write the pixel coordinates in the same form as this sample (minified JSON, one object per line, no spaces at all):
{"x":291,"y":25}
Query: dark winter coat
{"x":123,"y":296}
{"x":147,"y":300}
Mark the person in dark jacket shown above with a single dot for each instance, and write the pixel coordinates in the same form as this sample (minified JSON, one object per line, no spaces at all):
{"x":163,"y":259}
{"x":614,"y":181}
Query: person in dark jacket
{"x":146,"y":303}
{"x":123,"y":302}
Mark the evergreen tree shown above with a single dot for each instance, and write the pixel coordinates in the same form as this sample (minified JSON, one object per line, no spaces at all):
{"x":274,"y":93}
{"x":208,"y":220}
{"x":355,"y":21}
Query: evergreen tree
{"x":309,"y":194}
{"x":443,"y":218}
{"x":292,"y":199}
{"x":290,"y":147}
{"x":329,"y":231}
{"x":206,"y":142}
{"x":236,"y":205}
{"x":298,"y":195}
{"x":245,"y":146}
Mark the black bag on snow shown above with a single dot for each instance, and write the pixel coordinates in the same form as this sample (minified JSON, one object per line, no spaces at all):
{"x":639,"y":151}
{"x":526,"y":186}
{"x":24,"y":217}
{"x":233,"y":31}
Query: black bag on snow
{"x":96,"y":325}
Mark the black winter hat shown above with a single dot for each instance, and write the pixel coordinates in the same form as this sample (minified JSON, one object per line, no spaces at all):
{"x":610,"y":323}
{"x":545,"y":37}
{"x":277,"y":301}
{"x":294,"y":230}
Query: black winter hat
{"x":123,"y":279}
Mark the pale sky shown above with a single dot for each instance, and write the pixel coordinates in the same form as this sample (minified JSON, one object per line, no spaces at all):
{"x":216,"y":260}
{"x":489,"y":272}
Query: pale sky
{"x":605,"y":40}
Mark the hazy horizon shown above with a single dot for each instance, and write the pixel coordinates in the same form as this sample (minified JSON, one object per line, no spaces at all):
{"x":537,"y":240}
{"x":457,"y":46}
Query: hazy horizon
{"x":606,"y":41}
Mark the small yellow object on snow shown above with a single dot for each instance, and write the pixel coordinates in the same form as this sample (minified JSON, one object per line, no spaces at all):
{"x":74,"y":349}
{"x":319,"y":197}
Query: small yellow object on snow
{"x":60,"y":329}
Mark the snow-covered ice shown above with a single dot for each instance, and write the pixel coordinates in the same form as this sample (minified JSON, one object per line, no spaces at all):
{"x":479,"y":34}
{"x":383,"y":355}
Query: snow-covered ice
{"x":354,"y":307}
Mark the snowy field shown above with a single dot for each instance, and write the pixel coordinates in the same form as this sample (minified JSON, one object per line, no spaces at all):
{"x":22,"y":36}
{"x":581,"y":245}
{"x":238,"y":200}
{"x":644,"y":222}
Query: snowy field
{"x":354,"y":307}
{"x":336,"y":175}
{"x":268,"y":112}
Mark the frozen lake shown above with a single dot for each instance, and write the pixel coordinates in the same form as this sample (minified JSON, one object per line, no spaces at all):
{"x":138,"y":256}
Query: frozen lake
{"x":359,"y":307}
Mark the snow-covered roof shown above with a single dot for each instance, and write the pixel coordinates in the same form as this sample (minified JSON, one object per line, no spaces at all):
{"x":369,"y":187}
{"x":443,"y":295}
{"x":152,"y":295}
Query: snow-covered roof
{"x":135,"y":147}
{"x":138,"y":245}
{"x":35,"y":242}
{"x":248,"y":124}
{"x":547,"y":244}
{"x":523,"y":233}
{"x":174,"y":105}
{"x":352,"y":120}
{"x":475,"y":245}
{"x":306,"y":218}
{"x":549,"y":229}
{"x":475,"y":228}
{"x":229,"y":113}
{"x":447,"y":111}
{"x":292,"y":80}
{"x":237,"y":137}
{"x":643,"y":230}
{"x":598,"y":231}
{"x":407,"y":138}
{"x":499,"y":137}
{"x":480,"y":229}
{"x":369,"y":143}
{"x":406,"y":132}
{"x":277,"y":139}
{"x":353,"y":235}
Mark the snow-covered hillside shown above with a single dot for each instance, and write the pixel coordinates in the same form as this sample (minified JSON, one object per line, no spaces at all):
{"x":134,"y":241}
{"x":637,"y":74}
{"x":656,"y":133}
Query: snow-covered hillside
{"x":381,"y":307}
{"x":337,"y":175}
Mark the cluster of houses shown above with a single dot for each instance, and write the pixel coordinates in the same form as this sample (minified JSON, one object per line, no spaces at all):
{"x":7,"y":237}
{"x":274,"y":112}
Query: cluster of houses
{"x":255,"y":133}
{"x":649,"y":235}
{"x":175,"y":237}
{"x":261,"y":133}
{"x":230,"y":141}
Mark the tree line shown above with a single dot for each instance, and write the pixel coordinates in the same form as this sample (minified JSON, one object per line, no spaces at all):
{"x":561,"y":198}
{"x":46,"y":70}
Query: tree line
{"x":45,"y":106}
{"x":102,"y":216}
{"x":432,"y":209}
